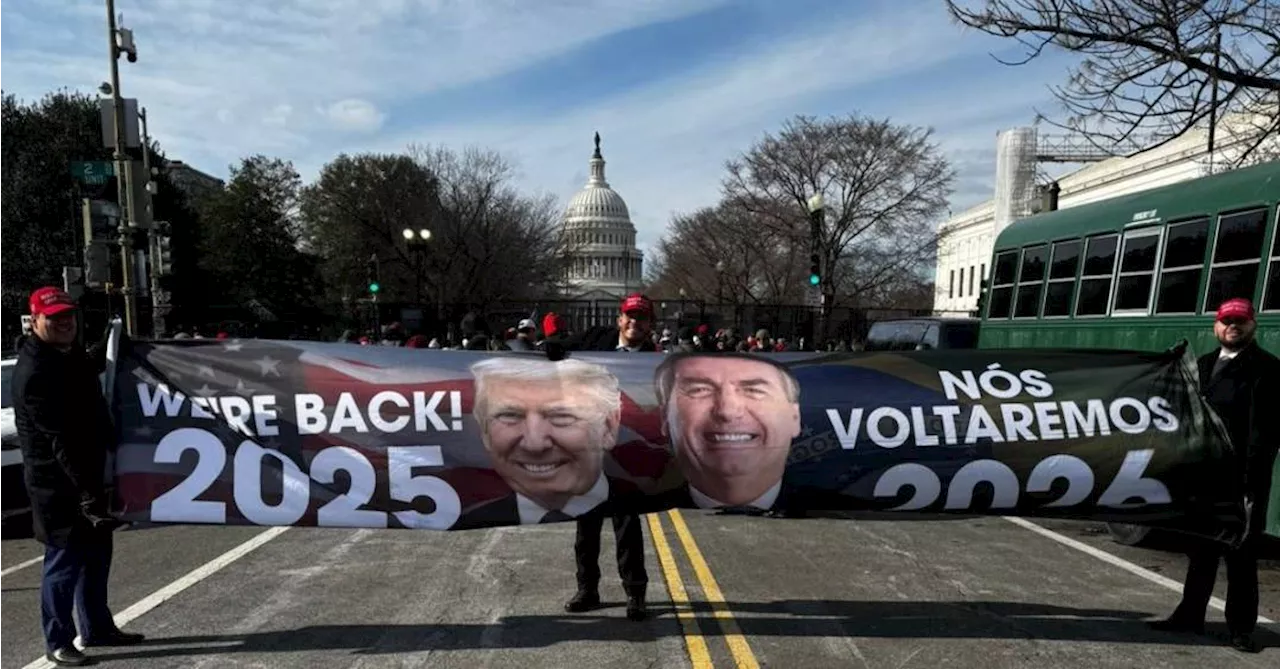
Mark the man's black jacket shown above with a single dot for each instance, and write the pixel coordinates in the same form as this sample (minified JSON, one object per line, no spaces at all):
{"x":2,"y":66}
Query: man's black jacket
{"x":65,"y":431}
{"x":1246,"y":395}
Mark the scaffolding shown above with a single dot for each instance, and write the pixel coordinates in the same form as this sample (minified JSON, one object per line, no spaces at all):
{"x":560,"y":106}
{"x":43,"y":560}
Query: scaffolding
{"x":1015,"y":194}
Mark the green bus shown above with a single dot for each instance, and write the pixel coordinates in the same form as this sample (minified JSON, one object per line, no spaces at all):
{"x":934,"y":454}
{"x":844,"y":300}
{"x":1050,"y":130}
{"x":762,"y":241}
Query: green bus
{"x":1139,"y":271}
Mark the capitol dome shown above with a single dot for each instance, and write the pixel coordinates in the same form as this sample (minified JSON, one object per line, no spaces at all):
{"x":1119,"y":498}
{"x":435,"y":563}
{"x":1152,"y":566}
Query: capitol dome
{"x":598,"y":227}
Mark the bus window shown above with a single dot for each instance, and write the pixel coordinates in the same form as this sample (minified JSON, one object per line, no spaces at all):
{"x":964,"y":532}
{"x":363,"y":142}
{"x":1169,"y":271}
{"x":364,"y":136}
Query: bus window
{"x":1137,"y":267}
{"x":1182,"y":266}
{"x":1095,"y":279}
{"x":1271,"y":300}
{"x":1002,"y":285}
{"x":1237,"y":252}
{"x":1030,"y":282}
{"x":1062,"y":278}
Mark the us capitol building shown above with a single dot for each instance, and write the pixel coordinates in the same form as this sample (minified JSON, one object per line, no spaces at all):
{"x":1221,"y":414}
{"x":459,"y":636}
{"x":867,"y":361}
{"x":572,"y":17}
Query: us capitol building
{"x":606,"y":263}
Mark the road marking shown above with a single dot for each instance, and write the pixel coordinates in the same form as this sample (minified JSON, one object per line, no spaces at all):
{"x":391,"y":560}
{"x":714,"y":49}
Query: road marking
{"x":738,"y":645}
{"x":22,"y":565}
{"x":1116,"y":561}
{"x":191,"y":578}
{"x":694,"y":643}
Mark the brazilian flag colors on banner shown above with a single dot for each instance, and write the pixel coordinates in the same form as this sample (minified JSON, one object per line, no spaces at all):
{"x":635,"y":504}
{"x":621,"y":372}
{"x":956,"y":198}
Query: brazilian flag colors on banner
{"x":334,"y":435}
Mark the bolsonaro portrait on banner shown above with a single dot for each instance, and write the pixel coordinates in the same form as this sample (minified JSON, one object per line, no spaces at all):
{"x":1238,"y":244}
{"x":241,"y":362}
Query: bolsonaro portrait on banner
{"x":730,"y":420}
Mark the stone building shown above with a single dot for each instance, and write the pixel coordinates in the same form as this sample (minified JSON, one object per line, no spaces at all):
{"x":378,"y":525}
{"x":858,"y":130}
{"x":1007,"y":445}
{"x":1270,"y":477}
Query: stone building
{"x":606,"y":263}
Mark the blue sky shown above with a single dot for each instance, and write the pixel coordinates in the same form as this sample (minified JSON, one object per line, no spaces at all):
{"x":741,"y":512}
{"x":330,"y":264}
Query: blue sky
{"x":675,"y":87}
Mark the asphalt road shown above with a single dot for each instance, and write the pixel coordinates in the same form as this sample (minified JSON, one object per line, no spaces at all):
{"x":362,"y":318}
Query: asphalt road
{"x":727,"y":591}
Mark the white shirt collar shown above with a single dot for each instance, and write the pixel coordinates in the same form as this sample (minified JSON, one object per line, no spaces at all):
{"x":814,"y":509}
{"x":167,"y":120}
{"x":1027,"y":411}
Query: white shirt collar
{"x":764,"y":501}
{"x":531,"y":512}
{"x":1229,"y":355}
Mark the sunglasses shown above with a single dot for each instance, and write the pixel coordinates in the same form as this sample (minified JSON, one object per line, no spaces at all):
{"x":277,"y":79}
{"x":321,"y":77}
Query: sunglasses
{"x":1234,"y":320}
{"x":637,"y":315}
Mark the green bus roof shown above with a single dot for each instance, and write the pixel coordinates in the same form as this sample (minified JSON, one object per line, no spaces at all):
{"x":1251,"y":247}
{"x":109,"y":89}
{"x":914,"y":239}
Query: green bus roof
{"x":1242,"y":188}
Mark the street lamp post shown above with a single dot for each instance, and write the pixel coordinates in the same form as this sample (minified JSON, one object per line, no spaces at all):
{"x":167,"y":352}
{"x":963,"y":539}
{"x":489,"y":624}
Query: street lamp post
{"x":123,"y":192}
{"x":417,"y":240}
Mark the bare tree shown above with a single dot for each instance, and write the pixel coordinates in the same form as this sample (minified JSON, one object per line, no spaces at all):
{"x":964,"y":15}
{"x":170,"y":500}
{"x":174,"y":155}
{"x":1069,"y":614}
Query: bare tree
{"x":885,"y":189}
{"x":358,"y":207}
{"x":723,"y":254}
{"x":496,"y":243}
{"x":1153,"y":69}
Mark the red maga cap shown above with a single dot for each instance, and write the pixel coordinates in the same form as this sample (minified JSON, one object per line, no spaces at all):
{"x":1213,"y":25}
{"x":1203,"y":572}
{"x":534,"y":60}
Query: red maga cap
{"x":552,"y":323}
{"x":50,"y":300}
{"x":637,"y":302}
{"x":1236,"y":307}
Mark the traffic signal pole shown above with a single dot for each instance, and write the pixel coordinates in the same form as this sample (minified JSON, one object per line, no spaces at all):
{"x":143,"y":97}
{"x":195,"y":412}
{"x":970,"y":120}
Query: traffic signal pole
{"x":817,"y":277}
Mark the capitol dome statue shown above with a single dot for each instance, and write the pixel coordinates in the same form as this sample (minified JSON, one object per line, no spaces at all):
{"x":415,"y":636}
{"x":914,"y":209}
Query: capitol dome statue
{"x":606,"y":262}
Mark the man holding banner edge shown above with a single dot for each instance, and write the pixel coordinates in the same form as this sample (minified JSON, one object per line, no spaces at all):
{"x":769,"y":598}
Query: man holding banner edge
{"x":1240,"y":381}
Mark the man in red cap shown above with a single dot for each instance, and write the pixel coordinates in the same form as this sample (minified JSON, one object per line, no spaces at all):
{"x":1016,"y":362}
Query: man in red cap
{"x":1242,"y":383}
{"x":632,"y":333}
{"x":65,"y":430}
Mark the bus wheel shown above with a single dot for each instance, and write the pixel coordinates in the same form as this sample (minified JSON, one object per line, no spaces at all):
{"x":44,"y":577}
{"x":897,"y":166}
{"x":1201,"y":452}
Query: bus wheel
{"x":1129,"y":535}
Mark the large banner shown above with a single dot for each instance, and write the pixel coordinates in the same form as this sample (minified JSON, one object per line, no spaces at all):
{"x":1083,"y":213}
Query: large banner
{"x":301,"y":433}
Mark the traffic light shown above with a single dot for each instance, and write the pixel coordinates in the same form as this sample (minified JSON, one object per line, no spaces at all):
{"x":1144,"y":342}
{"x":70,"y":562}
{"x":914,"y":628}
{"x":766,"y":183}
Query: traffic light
{"x":815,"y":269}
{"x":371,"y":272}
{"x":164,"y":251}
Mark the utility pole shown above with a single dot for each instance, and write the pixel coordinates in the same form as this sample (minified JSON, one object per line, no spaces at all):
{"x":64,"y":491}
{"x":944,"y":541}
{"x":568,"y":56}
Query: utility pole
{"x":124,"y":193}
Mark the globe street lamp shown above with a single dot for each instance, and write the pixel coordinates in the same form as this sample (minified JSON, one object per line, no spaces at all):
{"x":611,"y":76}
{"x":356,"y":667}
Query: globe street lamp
{"x":417,"y":240}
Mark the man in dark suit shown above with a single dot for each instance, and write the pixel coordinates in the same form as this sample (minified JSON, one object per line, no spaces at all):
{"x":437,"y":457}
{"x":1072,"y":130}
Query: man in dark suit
{"x":65,"y":430}
{"x":632,"y":333}
{"x":1240,"y":382}
{"x":546,"y":425}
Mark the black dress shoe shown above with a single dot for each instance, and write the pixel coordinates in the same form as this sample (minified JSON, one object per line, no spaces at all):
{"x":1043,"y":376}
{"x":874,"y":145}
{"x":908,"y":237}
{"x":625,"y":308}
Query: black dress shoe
{"x":583,"y":601}
{"x":1244,"y":643}
{"x":116,"y":638}
{"x":635,"y":608}
{"x":68,"y":657}
{"x":1176,"y":625}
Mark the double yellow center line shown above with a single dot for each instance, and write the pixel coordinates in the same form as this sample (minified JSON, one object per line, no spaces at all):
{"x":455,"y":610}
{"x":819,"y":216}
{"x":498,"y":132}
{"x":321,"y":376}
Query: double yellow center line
{"x":699,"y":656}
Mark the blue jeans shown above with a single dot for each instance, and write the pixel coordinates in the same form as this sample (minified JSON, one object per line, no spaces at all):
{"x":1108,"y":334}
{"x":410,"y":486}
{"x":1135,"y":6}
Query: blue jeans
{"x":76,"y":575}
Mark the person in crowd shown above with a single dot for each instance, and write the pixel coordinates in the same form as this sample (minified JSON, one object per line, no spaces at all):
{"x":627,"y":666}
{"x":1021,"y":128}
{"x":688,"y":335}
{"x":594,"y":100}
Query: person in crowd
{"x":633,"y":334}
{"x":526,"y":336}
{"x":65,"y":431}
{"x":1241,"y":382}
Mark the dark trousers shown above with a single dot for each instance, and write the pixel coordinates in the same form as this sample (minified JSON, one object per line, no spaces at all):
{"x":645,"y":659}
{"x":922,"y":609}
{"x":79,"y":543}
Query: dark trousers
{"x":76,"y":575}
{"x":630,"y":540}
{"x":1242,"y":586}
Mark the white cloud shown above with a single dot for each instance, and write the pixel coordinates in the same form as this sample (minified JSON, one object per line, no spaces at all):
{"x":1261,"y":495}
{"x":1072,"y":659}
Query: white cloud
{"x":666,"y":144}
{"x":308,"y":79}
{"x":354,"y":114}
{"x":202,"y":62}
{"x":279,"y":115}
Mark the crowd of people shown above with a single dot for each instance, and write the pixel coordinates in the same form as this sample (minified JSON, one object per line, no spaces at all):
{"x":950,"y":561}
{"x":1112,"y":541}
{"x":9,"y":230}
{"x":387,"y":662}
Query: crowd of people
{"x":530,"y":335}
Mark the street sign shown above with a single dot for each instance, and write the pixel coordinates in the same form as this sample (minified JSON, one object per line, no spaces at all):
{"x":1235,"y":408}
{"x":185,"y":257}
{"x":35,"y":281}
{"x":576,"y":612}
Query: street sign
{"x":92,"y":172}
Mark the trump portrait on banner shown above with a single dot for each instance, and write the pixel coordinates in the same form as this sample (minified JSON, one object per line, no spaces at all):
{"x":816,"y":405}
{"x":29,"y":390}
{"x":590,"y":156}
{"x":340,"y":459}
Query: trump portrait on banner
{"x":546,"y":426}
{"x":730,"y":419}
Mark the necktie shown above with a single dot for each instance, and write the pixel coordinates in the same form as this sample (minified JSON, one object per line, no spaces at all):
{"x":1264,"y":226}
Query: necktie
{"x":555,"y":516}
{"x":1218,"y":366}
